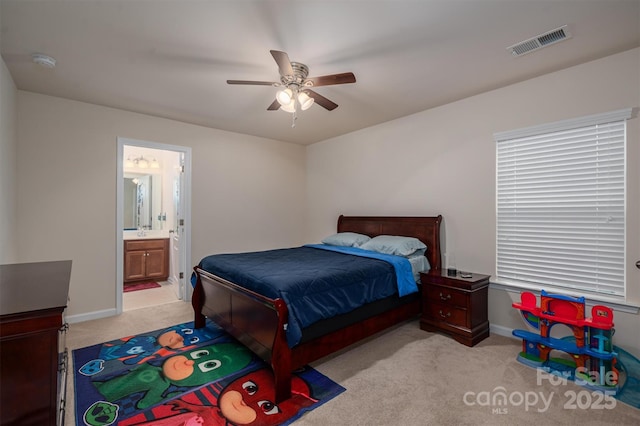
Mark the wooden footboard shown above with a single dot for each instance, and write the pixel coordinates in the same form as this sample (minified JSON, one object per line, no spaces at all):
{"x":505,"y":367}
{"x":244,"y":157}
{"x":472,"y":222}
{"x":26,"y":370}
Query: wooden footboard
{"x":258,"y":322}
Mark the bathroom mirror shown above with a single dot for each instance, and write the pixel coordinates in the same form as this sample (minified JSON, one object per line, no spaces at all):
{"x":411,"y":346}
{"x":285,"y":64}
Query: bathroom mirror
{"x":142,"y":201}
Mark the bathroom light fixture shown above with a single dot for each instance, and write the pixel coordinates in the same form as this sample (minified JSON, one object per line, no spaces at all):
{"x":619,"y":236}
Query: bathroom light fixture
{"x":141,"y":163}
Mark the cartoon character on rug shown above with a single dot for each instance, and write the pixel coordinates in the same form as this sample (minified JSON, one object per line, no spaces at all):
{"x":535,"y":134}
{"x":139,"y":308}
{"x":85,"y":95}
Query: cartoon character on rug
{"x":248,"y":400}
{"x":143,"y":348}
{"x":150,"y":384}
{"x":138,"y":349}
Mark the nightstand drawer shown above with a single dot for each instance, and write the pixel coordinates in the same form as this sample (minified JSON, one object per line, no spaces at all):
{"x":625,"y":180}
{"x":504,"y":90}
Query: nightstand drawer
{"x":446,"y":295}
{"x":448,"y":314}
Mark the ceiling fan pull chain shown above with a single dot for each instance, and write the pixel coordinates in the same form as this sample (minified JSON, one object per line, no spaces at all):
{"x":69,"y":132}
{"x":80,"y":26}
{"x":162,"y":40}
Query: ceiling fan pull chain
{"x":294,"y":118}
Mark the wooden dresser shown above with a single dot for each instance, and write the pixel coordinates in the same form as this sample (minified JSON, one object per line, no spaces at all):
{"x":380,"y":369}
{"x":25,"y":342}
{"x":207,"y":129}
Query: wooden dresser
{"x":33,"y":355}
{"x":146,"y":260}
{"x":455,"y":305}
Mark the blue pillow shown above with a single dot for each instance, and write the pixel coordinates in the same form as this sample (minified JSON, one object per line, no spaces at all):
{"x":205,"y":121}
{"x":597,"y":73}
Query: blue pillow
{"x":392,"y":244}
{"x":419,"y":263}
{"x":346,"y":239}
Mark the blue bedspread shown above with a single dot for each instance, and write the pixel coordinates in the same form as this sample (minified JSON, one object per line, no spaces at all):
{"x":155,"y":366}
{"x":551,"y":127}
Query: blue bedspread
{"x":314,"y":281}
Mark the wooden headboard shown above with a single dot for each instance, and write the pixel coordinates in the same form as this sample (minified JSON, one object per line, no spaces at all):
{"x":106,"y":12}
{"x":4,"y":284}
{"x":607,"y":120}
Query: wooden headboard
{"x":426,"y":229}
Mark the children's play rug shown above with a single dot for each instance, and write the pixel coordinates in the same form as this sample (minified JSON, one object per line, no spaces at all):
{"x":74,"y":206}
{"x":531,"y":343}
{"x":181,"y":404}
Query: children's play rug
{"x":186,"y":377}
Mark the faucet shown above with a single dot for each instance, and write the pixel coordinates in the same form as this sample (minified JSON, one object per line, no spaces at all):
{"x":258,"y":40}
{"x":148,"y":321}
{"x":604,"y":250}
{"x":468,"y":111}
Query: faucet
{"x":141,"y":232}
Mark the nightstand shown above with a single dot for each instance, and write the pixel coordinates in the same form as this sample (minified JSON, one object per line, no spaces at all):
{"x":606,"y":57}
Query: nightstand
{"x":456,"y":306}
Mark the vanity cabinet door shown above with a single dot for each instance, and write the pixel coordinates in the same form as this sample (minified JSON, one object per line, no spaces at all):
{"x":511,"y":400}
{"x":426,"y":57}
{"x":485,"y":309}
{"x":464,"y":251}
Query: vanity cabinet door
{"x":134,"y":265}
{"x":156,"y":263}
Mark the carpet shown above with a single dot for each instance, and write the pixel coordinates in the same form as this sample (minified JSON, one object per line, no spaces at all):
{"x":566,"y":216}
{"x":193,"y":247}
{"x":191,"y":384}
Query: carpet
{"x":139,"y":286}
{"x":629,"y":365}
{"x":628,"y":381}
{"x":185,"y":376}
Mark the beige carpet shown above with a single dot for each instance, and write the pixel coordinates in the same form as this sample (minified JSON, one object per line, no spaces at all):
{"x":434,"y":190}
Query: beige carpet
{"x":407,"y":376}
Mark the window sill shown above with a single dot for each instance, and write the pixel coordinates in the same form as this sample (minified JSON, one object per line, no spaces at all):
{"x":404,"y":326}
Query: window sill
{"x":614,"y":303}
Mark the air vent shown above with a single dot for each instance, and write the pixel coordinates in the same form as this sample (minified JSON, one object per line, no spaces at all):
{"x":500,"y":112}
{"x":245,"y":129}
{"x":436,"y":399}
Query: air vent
{"x":540,"y":41}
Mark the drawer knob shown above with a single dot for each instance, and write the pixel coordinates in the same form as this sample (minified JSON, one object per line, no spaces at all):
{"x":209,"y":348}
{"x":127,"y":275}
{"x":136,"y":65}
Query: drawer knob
{"x":443,"y":297}
{"x":443,"y":315}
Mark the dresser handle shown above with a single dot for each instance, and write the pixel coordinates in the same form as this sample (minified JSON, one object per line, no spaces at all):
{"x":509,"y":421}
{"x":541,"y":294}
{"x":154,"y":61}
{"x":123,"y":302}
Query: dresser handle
{"x":445,"y":298}
{"x":443,"y":315}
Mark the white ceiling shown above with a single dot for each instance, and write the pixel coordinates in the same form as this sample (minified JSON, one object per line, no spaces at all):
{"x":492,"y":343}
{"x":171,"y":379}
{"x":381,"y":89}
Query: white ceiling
{"x":172,"y":58}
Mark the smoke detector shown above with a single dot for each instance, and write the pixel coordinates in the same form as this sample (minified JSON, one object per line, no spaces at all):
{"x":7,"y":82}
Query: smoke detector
{"x":540,"y":41}
{"x":43,"y":60}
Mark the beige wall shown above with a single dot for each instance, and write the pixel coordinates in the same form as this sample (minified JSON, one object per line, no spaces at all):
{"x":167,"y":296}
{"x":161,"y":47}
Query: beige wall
{"x":247,"y":192}
{"x":8,"y":157}
{"x":442,"y":161}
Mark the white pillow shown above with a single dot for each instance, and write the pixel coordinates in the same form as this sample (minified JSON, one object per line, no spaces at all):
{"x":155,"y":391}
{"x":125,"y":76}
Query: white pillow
{"x":346,"y":239}
{"x":392,"y":244}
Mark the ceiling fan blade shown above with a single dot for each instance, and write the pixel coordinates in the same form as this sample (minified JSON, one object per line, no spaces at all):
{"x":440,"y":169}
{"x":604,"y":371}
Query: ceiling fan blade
{"x":274,"y":106}
{"x":284,"y":64}
{"x":254,"y":83}
{"x":321,"y":100}
{"x":326,"y":80}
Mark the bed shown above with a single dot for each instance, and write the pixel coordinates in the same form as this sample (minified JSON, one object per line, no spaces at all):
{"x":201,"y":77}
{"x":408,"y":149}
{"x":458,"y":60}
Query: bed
{"x":261,"y":322}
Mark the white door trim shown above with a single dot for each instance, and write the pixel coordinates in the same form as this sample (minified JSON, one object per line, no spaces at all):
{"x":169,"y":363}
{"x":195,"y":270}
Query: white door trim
{"x":186,"y":197}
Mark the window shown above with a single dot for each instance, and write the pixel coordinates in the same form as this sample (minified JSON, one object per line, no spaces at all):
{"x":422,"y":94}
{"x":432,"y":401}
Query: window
{"x":561,"y":205}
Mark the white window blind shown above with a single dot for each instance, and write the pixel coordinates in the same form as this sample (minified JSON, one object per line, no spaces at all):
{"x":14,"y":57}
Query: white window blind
{"x":561,"y":205}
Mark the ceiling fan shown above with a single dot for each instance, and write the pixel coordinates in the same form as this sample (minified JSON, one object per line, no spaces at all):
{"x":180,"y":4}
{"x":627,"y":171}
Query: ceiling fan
{"x":296,"y":84}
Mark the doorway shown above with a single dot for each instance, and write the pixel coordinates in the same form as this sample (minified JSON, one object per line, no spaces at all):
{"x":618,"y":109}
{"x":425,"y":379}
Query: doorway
{"x":153,"y":205}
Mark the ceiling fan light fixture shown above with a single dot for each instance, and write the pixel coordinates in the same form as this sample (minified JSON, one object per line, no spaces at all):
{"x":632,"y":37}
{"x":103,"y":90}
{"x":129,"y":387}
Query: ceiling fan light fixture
{"x":290,"y":107}
{"x":305,"y":101}
{"x":284,"y":96}
{"x":295,"y":91}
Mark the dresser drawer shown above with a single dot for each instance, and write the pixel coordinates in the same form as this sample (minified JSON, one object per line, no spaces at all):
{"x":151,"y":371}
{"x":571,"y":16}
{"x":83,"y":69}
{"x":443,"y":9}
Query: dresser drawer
{"x":448,"y":314}
{"x":447,"y":295}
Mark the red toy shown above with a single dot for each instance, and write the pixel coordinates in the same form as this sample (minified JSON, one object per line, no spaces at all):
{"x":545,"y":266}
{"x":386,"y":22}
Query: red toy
{"x":590,"y":347}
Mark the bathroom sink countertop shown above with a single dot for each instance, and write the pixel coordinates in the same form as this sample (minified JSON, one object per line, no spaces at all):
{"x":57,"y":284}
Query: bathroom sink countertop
{"x":149,"y":235}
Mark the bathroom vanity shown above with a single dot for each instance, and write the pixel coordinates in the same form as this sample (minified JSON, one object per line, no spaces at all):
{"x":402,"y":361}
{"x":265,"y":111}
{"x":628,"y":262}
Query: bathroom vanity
{"x":146,"y":259}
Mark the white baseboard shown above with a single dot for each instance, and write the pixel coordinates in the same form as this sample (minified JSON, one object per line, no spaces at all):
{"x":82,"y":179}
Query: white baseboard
{"x":71,"y":319}
{"x":502,"y":331}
